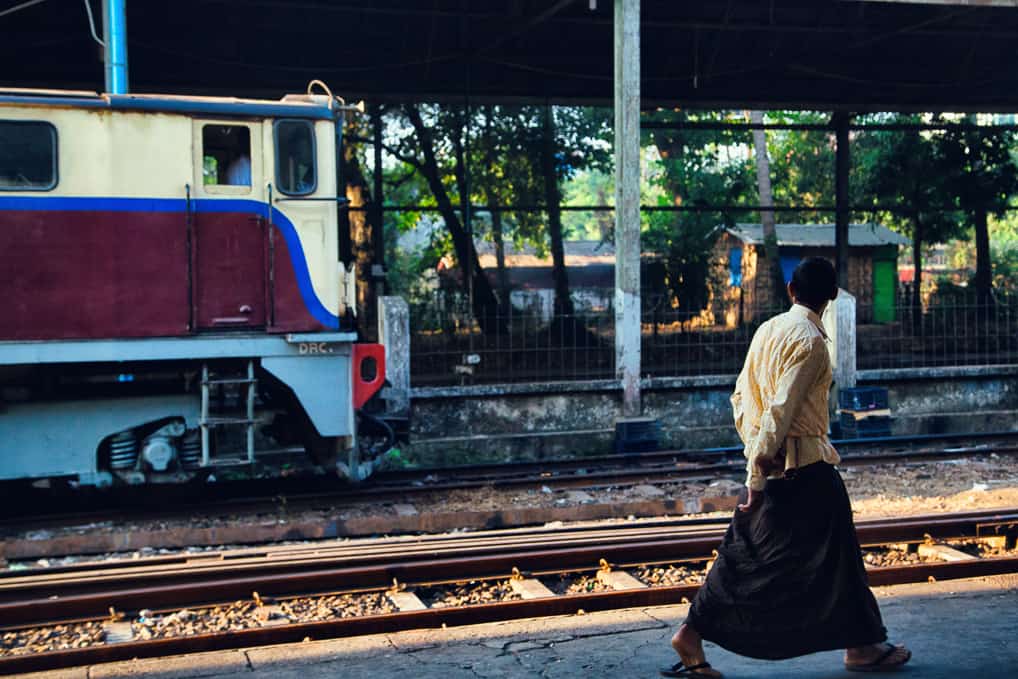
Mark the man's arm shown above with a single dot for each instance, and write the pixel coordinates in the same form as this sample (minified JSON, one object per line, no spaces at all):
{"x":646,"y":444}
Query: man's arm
{"x":798,"y":375}
{"x":737,"y":410}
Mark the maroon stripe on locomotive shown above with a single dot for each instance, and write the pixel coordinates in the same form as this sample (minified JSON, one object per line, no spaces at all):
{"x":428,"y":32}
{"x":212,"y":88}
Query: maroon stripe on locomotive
{"x":112,"y":274}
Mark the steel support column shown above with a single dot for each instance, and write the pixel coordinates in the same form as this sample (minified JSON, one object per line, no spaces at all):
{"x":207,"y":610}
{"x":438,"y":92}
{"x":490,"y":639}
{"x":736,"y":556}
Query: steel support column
{"x":115,"y":37}
{"x":627,"y":202}
{"x":842,"y":216}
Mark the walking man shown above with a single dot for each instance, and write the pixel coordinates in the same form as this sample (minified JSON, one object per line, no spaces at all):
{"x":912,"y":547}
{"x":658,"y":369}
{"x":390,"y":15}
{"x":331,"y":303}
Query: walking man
{"x":789,"y":578}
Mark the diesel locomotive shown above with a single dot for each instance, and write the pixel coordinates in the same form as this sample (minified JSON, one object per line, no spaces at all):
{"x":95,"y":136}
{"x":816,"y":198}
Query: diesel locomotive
{"x":173,"y":296}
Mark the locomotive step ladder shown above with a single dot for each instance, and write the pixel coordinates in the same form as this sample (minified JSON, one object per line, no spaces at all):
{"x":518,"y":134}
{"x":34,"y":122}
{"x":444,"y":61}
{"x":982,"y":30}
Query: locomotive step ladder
{"x":210,"y":420}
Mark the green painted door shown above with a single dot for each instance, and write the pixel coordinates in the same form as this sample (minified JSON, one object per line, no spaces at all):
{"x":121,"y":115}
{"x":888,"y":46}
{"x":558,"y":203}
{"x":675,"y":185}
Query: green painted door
{"x":883,"y":291}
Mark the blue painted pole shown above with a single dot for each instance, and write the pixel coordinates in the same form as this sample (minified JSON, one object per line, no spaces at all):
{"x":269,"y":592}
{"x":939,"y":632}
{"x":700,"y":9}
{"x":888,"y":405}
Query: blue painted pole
{"x":115,"y":35}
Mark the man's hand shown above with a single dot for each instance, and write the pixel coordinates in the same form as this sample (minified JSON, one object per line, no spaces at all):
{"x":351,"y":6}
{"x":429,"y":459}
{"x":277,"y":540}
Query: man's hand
{"x":753,"y":500}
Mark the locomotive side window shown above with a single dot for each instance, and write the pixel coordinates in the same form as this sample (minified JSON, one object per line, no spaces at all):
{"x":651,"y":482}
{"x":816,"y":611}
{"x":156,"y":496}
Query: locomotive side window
{"x":296,"y":172}
{"x":226,"y":155}
{"x":28,"y":156}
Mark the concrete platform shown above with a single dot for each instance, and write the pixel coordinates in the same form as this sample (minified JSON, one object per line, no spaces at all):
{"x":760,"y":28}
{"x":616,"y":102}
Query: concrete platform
{"x":961,"y":628}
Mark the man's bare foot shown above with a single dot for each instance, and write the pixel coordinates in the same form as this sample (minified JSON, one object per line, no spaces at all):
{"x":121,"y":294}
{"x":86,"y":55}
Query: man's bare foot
{"x":876,"y":657}
{"x":688,"y":643}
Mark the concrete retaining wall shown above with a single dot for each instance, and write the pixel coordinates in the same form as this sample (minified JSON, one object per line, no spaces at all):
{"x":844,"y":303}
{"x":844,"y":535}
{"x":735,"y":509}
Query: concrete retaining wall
{"x":532,"y":422}
{"x":935,"y":401}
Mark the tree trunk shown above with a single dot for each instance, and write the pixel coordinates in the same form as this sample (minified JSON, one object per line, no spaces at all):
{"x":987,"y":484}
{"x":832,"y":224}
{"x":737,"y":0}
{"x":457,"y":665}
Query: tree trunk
{"x":485,"y":305}
{"x":499,"y":239}
{"x":605,"y":221}
{"x":770,"y":236}
{"x":917,"y":265}
{"x":553,"y":200}
{"x":984,"y":269}
{"x":361,"y":240}
{"x":492,"y":197}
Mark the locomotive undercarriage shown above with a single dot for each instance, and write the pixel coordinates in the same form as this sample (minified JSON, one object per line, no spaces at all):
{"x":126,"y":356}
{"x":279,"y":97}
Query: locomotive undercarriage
{"x":175,"y":409}
{"x":247,"y":415}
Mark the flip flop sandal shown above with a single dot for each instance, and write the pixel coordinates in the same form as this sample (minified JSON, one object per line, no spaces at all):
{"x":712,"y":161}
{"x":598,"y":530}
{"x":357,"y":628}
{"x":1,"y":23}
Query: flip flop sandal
{"x":879,"y":665}
{"x":680,"y":670}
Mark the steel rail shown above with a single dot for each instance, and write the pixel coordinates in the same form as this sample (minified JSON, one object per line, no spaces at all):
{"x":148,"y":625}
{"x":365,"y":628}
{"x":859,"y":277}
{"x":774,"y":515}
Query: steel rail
{"x":402,"y":547}
{"x":622,"y":460}
{"x":93,"y":576}
{"x":398,"y":543}
{"x":271,"y":561}
{"x":542,"y":475}
{"x":435,"y":618}
{"x":31,"y":605}
{"x":398,"y":484}
{"x":623,"y":475}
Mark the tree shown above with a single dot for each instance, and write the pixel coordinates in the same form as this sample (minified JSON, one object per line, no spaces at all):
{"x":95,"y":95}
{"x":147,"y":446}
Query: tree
{"x":422,"y":153}
{"x":983,"y":176}
{"x":698,"y":168}
{"x":504,"y":173}
{"x":802,"y":161}
{"x":763,"y":182}
{"x":490,"y":188}
{"x":907,"y":169}
{"x":493,"y":155}
{"x":358,"y":228}
{"x":571,"y":139}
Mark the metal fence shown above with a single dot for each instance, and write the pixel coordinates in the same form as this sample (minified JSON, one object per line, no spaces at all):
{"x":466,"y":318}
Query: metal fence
{"x":681,"y":344}
{"x":449,"y":347}
{"x":955,"y":330}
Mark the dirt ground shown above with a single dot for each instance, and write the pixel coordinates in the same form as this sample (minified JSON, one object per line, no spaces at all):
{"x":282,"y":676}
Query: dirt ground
{"x":965,"y":484}
{"x":928,"y":488}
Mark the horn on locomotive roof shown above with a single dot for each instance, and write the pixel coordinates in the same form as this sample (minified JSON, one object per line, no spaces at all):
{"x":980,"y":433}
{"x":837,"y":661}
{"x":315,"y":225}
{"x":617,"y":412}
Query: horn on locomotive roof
{"x":359,"y":106}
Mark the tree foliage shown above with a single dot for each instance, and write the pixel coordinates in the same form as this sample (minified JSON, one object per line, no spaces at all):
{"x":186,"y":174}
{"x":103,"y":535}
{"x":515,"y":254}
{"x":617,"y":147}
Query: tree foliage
{"x":907,"y":169}
{"x":449,"y":157}
{"x":983,"y":177}
{"x":698,"y":168}
{"x":472,"y":162}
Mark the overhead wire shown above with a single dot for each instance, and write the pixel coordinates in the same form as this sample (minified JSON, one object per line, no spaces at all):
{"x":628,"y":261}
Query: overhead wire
{"x":294,"y":69}
{"x":19,"y":7}
{"x":91,"y":23}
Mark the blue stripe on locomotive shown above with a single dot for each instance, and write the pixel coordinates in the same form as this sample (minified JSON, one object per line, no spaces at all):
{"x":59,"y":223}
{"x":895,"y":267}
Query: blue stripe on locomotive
{"x":199,"y":205}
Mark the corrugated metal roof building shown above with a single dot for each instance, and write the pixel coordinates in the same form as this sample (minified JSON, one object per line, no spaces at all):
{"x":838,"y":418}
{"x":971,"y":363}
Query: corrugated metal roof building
{"x":872,"y":266}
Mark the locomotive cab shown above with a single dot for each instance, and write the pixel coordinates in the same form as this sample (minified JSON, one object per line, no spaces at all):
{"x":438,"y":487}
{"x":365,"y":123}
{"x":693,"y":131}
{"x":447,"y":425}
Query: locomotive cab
{"x":176,"y":301}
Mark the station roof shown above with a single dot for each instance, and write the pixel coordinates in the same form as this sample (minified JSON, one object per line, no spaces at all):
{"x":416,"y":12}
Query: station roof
{"x":820,"y":235}
{"x":823,"y":54}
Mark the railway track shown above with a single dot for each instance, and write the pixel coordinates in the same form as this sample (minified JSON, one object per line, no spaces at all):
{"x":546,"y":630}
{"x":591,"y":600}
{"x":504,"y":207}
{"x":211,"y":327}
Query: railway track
{"x":42,"y":511}
{"x":278,"y":577}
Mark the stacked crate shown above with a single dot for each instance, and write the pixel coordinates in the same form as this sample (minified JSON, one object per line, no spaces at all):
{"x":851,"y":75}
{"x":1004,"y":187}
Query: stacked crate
{"x":634,"y":435}
{"x":864,"y":411}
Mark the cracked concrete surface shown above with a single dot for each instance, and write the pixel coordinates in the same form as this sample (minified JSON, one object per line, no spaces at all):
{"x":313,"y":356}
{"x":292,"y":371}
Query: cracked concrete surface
{"x":955,"y":628}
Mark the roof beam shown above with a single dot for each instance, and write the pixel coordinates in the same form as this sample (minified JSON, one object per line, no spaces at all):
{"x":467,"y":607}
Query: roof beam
{"x":965,"y":3}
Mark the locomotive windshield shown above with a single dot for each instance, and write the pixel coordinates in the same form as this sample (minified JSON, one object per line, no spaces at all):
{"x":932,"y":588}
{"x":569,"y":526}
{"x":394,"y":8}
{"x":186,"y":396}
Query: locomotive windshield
{"x":296,"y":173}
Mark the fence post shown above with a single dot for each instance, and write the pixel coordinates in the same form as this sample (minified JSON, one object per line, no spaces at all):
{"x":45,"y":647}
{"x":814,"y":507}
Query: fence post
{"x":839,"y":320}
{"x":394,"y":334}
